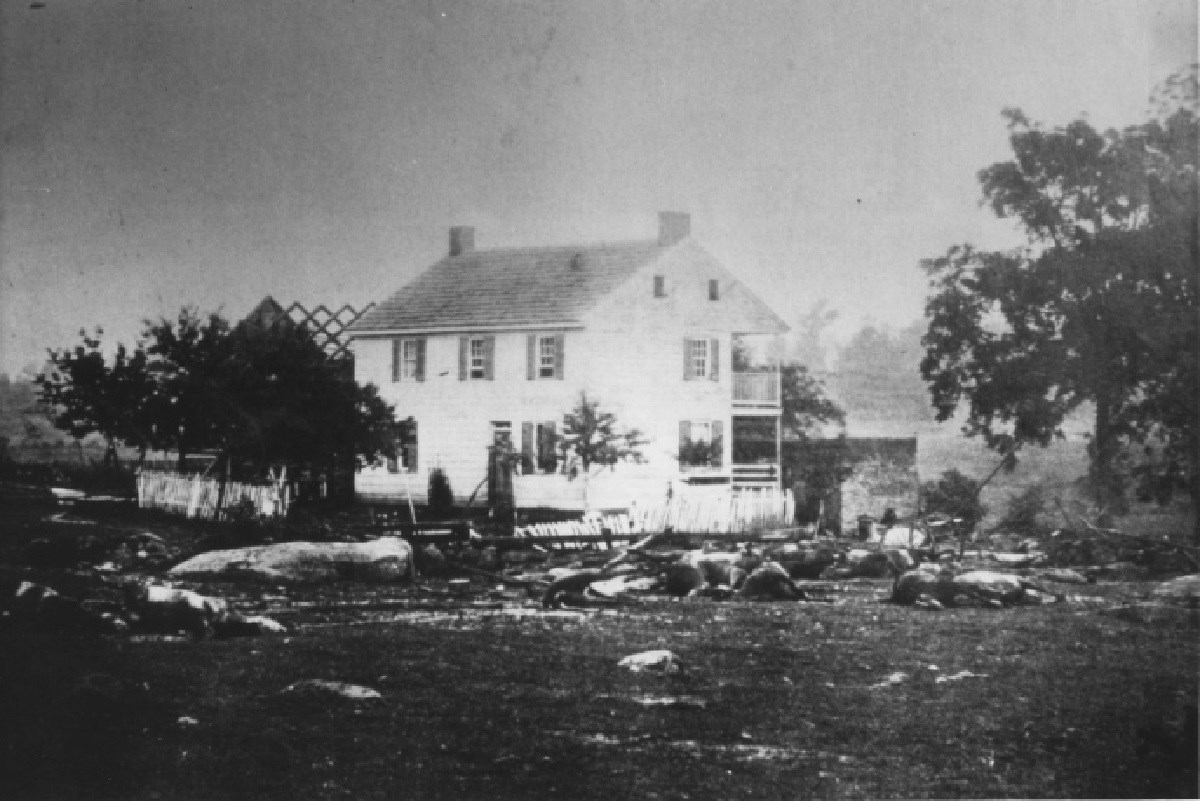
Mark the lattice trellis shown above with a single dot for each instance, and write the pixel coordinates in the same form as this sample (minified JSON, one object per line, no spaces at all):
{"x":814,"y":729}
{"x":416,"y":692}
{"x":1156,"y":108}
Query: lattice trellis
{"x":328,"y":328}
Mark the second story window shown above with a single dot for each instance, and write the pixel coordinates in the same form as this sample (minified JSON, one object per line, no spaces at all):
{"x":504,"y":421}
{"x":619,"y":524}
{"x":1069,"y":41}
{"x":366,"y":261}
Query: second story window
{"x":477,"y":358}
{"x":701,"y":359}
{"x":714,"y":289}
{"x":408,"y":360}
{"x":546,"y":357}
{"x":660,"y":286}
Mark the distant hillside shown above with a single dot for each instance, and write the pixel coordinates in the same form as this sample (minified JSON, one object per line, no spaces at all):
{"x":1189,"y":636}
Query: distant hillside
{"x":21,"y":421}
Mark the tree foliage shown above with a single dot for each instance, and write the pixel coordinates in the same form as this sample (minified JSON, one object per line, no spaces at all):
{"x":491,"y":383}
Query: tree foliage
{"x":591,"y":437}
{"x":257,"y":394}
{"x":1100,"y":308}
{"x":804,"y":404}
{"x":956,"y":495}
{"x":86,"y":394}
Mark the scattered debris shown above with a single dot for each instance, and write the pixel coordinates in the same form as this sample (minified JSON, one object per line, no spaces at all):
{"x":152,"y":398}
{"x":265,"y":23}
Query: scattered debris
{"x":337,"y":689}
{"x":684,"y":701}
{"x":962,"y":674}
{"x":1062,"y":575}
{"x":234,"y":624}
{"x":893,"y":679}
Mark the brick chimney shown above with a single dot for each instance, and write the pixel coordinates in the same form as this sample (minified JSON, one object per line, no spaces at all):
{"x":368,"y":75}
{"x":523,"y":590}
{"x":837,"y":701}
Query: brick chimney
{"x":673,"y":226}
{"x":462,"y":240}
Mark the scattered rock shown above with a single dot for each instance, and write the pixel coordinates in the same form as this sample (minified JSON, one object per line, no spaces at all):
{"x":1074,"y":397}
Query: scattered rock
{"x":1119,"y":571}
{"x":962,"y":674}
{"x":891,"y":680}
{"x":657,"y":661}
{"x":1182,"y":591}
{"x":332,"y":689}
{"x":1062,"y":575}
{"x":234,"y":624}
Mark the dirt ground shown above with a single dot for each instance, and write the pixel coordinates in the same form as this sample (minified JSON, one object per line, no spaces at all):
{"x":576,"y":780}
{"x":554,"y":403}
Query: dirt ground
{"x":485,"y":695}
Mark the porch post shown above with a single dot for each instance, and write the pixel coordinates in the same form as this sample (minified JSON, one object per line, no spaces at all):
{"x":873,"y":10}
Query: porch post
{"x":779,"y":453}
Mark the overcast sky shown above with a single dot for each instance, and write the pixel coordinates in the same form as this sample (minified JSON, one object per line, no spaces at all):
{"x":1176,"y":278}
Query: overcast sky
{"x":157,"y":153}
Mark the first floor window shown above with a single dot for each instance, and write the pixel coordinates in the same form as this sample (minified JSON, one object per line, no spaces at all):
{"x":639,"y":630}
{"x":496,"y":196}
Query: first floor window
{"x":539,"y":447}
{"x":701,"y":443}
{"x":406,"y":449}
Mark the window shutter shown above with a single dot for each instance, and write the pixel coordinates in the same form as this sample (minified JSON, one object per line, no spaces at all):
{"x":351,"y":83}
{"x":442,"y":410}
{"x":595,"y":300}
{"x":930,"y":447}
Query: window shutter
{"x":714,"y":359}
{"x":685,"y":435}
{"x":464,"y":354}
{"x":531,"y":357}
{"x":489,"y":358}
{"x":412,"y":458}
{"x":420,"y":359}
{"x":395,"y":360}
{"x":559,"y":357}
{"x":718,"y":438}
{"x":527,"y":447}
{"x":687,"y":359}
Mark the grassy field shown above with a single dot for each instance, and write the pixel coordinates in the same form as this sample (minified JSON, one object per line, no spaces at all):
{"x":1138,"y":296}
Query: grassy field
{"x":485,"y":695}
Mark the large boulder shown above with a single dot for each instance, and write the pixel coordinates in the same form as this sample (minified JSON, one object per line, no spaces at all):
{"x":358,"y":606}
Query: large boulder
{"x":385,"y":559}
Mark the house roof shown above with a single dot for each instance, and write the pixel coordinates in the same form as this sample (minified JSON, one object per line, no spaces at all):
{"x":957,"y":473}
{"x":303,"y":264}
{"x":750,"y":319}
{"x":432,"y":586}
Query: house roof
{"x":516,"y":287}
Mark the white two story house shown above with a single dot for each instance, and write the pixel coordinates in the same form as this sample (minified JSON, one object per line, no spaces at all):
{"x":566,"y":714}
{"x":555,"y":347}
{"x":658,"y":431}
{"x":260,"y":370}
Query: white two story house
{"x":494,"y":346}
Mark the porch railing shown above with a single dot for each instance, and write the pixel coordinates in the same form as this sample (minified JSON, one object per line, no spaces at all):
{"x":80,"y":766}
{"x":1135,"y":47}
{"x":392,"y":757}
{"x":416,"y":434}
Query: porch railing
{"x":756,"y":388}
{"x":743,"y":474}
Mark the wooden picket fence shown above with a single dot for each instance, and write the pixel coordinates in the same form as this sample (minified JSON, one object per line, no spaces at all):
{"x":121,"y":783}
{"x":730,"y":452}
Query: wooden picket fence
{"x":692,"y":511}
{"x":196,"y":495}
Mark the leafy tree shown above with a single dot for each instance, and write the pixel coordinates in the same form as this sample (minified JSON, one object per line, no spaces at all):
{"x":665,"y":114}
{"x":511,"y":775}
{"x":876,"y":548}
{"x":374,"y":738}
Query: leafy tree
{"x":193,"y":407}
{"x":956,"y":495}
{"x":1100,"y":308}
{"x":88,"y":394}
{"x":804,"y":405}
{"x":258,"y":394}
{"x":591,"y":437}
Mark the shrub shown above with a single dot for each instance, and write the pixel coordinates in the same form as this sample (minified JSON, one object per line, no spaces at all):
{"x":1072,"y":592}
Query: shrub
{"x":1023,"y":515}
{"x":956,"y":495}
{"x":441,"y":498}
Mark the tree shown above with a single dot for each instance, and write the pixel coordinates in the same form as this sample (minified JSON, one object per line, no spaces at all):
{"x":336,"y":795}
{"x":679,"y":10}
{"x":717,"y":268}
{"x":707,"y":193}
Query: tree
{"x":87,"y":394}
{"x":590,"y":437}
{"x":1100,"y":308}
{"x":256,"y":394}
{"x":193,"y":408}
{"x":803,"y":403}
{"x":956,"y":495}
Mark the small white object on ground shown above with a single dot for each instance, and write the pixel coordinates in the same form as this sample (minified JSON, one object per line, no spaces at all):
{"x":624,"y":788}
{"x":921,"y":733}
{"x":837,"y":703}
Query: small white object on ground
{"x":659,"y":660}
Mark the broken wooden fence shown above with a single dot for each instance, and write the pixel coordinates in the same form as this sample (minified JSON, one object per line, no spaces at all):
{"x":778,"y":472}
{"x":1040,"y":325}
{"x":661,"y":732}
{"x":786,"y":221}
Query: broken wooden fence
{"x":196,"y":495}
{"x":706,"y":511}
